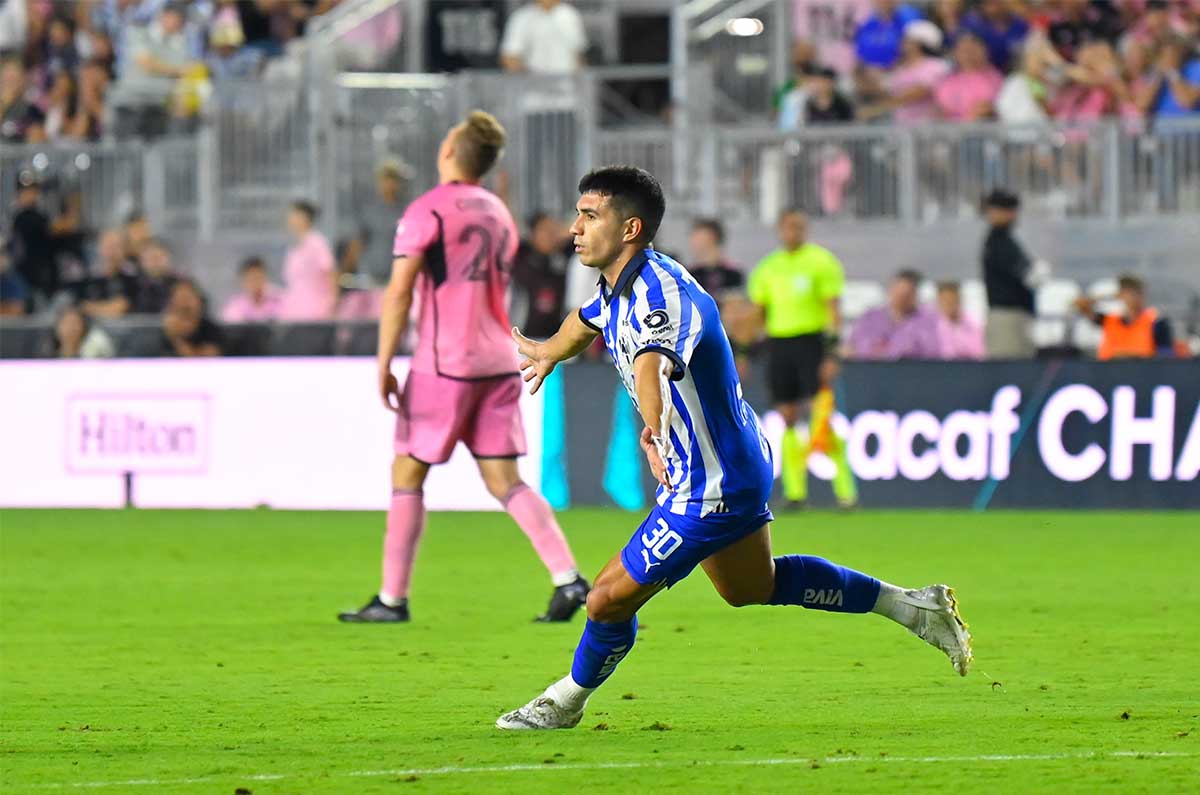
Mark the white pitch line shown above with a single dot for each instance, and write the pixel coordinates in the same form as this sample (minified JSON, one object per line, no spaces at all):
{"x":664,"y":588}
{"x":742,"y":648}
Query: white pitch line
{"x":450,"y":771}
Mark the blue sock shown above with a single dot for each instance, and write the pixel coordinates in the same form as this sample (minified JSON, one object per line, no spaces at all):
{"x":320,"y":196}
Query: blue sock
{"x":813,"y":582}
{"x":600,"y":649}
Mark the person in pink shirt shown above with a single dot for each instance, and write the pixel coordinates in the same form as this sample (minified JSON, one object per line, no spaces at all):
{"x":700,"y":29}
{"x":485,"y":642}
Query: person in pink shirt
{"x":961,"y":336}
{"x":259,"y":300}
{"x":1096,"y":88}
{"x":909,"y":86}
{"x":969,"y":94}
{"x":454,"y":247}
{"x":309,"y":269}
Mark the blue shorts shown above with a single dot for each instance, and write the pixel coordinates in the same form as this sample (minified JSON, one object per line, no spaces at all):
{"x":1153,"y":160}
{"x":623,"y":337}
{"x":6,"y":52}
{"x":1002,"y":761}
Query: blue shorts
{"x":667,"y":546}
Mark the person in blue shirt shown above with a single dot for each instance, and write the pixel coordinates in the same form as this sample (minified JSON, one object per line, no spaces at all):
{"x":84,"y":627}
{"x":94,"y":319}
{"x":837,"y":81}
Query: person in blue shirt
{"x":704,"y":446}
{"x":877,"y":40}
{"x":1176,"y":81}
{"x":1002,"y":31}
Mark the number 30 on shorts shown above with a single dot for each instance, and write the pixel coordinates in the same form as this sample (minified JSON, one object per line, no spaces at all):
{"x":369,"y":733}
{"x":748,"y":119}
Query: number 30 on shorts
{"x":663,"y":541}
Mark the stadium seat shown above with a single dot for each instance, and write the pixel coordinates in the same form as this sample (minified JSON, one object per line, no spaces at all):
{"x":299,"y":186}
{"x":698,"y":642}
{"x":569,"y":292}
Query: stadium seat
{"x":302,"y":339}
{"x":859,"y":296}
{"x":1055,"y":311}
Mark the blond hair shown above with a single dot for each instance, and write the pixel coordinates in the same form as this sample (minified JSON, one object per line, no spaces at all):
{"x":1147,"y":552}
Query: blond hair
{"x":479,"y":143}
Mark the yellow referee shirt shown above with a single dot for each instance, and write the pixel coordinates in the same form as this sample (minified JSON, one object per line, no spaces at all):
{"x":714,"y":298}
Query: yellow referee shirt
{"x":794,"y":287}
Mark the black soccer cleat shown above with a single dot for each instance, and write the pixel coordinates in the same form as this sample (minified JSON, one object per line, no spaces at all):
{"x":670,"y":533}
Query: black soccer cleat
{"x":566,"y":600}
{"x":376,"y":612}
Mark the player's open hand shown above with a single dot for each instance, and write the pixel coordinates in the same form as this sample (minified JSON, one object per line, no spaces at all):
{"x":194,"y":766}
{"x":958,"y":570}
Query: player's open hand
{"x":535,"y":364}
{"x":389,"y":390}
{"x":656,"y":458}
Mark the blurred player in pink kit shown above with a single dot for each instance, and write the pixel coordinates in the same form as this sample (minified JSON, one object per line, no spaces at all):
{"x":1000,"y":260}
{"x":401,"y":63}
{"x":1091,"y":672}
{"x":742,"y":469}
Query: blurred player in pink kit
{"x":455,"y":245}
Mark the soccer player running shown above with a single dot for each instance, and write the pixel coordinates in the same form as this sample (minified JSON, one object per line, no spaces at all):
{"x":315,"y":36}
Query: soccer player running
{"x":798,"y":290}
{"x":704,"y":446}
{"x":455,"y":244}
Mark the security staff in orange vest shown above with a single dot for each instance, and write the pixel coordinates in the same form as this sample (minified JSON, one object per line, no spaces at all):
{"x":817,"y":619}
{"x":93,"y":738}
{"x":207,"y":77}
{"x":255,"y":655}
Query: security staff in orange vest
{"x":1138,"y":332}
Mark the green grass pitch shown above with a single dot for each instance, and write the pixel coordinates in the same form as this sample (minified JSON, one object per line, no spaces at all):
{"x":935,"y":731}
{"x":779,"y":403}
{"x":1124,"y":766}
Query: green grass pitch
{"x":197,"y":652}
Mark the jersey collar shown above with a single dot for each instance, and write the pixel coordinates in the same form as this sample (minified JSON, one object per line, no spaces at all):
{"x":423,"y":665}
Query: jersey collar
{"x":628,"y":273}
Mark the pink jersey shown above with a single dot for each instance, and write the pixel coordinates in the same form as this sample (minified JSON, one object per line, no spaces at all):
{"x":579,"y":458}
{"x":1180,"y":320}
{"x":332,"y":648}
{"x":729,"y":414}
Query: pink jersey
{"x":468,"y":240}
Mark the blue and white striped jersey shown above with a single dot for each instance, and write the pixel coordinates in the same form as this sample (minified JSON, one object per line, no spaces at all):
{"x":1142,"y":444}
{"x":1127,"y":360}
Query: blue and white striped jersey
{"x":720,"y":459}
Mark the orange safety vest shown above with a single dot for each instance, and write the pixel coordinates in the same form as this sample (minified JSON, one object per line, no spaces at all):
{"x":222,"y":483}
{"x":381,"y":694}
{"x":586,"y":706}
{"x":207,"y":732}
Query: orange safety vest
{"x":1123,"y":340}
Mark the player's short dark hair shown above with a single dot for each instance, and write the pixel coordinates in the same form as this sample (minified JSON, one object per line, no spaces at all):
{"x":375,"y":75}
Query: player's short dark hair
{"x":632,"y":191}
{"x":479,"y":143}
{"x":792,"y":210}
{"x":1127,"y":281}
{"x":713,"y":226}
{"x":250,"y":263}
{"x":949,"y":287}
{"x":307,"y":208}
{"x":908,"y":275}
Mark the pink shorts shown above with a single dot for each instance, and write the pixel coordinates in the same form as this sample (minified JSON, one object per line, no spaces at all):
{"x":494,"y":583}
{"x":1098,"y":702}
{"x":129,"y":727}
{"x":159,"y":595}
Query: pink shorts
{"x":438,"y":413}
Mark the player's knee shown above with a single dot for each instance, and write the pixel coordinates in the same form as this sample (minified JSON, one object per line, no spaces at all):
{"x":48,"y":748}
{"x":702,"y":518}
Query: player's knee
{"x":604,"y":608}
{"x":744,"y":597}
{"x":501,"y":488}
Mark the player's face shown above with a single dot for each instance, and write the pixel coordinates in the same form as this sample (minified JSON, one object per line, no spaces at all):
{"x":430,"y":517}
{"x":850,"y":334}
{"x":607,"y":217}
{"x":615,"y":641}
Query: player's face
{"x":599,"y":231}
{"x":792,"y":230}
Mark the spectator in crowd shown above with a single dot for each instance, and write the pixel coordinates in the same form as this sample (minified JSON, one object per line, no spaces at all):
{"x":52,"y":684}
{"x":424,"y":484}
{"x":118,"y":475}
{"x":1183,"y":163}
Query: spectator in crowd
{"x":1137,"y":332}
{"x":1082,"y":21}
{"x":32,"y":241}
{"x":228,"y":57}
{"x":369,"y":248}
{"x":877,"y":39}
{"x":790,"y":98}
{"x":158,"y":57}
{"x":156,"y":279}
{"x":15,"y":105}
{"x":1095,"y":86}
{"x":114,"y":287}
{"x":1009,"y":276}
{"x":114,"y":19}
{"x":825,"y":104}
{"x":87,"y":123}
{"x":136,"y":233}
{"x":1024,"y":98}
{"x":707,"y":261}
{"x":1138,"y":75}
{"x":900,"y":329}
{"x":969,"y":93}
{"x":1175,"y":83}
{"x":948,"y":16}
{"x":59,"y":55}
{"x":75,"y":337}
{"x":186,"y":328}
{"x":309,"y":270}
{"x":909,"y":87}
{"x":13,"y":290}
{"x":544,"y":37}
{"x":259,"y":300}
{"x":1000,"y":28}
{"x":960,"y":334}
{"x":540,"y":275}
{"x":61,"y":103}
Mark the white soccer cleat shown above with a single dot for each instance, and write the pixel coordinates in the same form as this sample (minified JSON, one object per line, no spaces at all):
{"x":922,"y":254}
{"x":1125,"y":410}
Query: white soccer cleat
{"x":938,"y":623}
{"x":541,"y":713}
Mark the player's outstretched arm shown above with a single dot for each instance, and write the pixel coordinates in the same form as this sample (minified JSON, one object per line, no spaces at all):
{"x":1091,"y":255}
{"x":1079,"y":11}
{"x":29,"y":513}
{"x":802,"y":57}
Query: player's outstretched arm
{"x":538,"y":359}
{"x":393,"y":320}
{"x":652,"y":382}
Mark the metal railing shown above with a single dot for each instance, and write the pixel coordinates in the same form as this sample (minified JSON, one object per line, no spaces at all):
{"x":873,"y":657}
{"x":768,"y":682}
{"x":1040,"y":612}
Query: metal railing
{"x":106,"y":178}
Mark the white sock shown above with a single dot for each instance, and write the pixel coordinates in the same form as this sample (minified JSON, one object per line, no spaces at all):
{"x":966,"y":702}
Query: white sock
{"x":391,"y":601}
{"x":892,"y":603}
{"x":566,"y":578}
{"x":569,"y":695}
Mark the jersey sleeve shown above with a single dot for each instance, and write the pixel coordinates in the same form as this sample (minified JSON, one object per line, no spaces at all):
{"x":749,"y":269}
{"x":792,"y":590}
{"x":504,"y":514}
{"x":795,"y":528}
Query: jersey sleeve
{"x":589,"y":313}
{"x":669,"y":321}
{"x":756,"y":286}
{"x":833,"y":278}
{"x":416,"y":231}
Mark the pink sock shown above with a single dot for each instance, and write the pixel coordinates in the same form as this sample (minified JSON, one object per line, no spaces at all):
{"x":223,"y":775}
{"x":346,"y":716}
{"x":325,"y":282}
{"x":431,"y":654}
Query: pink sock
{"x":405,"y":523}
{"x":532,"y":513}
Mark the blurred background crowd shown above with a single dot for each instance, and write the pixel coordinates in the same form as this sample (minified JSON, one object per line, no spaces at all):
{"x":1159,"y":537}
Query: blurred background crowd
{"x":100,"y":72}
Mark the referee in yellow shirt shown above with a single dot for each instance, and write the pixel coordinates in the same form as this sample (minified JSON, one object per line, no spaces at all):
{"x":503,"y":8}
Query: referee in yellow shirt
{"x":797,"y":290}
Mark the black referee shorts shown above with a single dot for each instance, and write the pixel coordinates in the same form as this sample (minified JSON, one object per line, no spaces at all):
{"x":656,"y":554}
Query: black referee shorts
{"x":793,"y":366}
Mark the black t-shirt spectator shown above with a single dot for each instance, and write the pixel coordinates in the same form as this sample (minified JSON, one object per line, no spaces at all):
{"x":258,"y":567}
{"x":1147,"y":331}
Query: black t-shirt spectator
{"x":105,"y":288}
{"x":1005,"y":265}
{"x":151,"y":294}
{"x":256,"y":26}
{"x":839,"y":111}
{"x":543,"y":279}
{"x":207,"y":333}
{"x":33,"y":250}
{"x":716,"y":279}
{"x":1101,"y":22}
